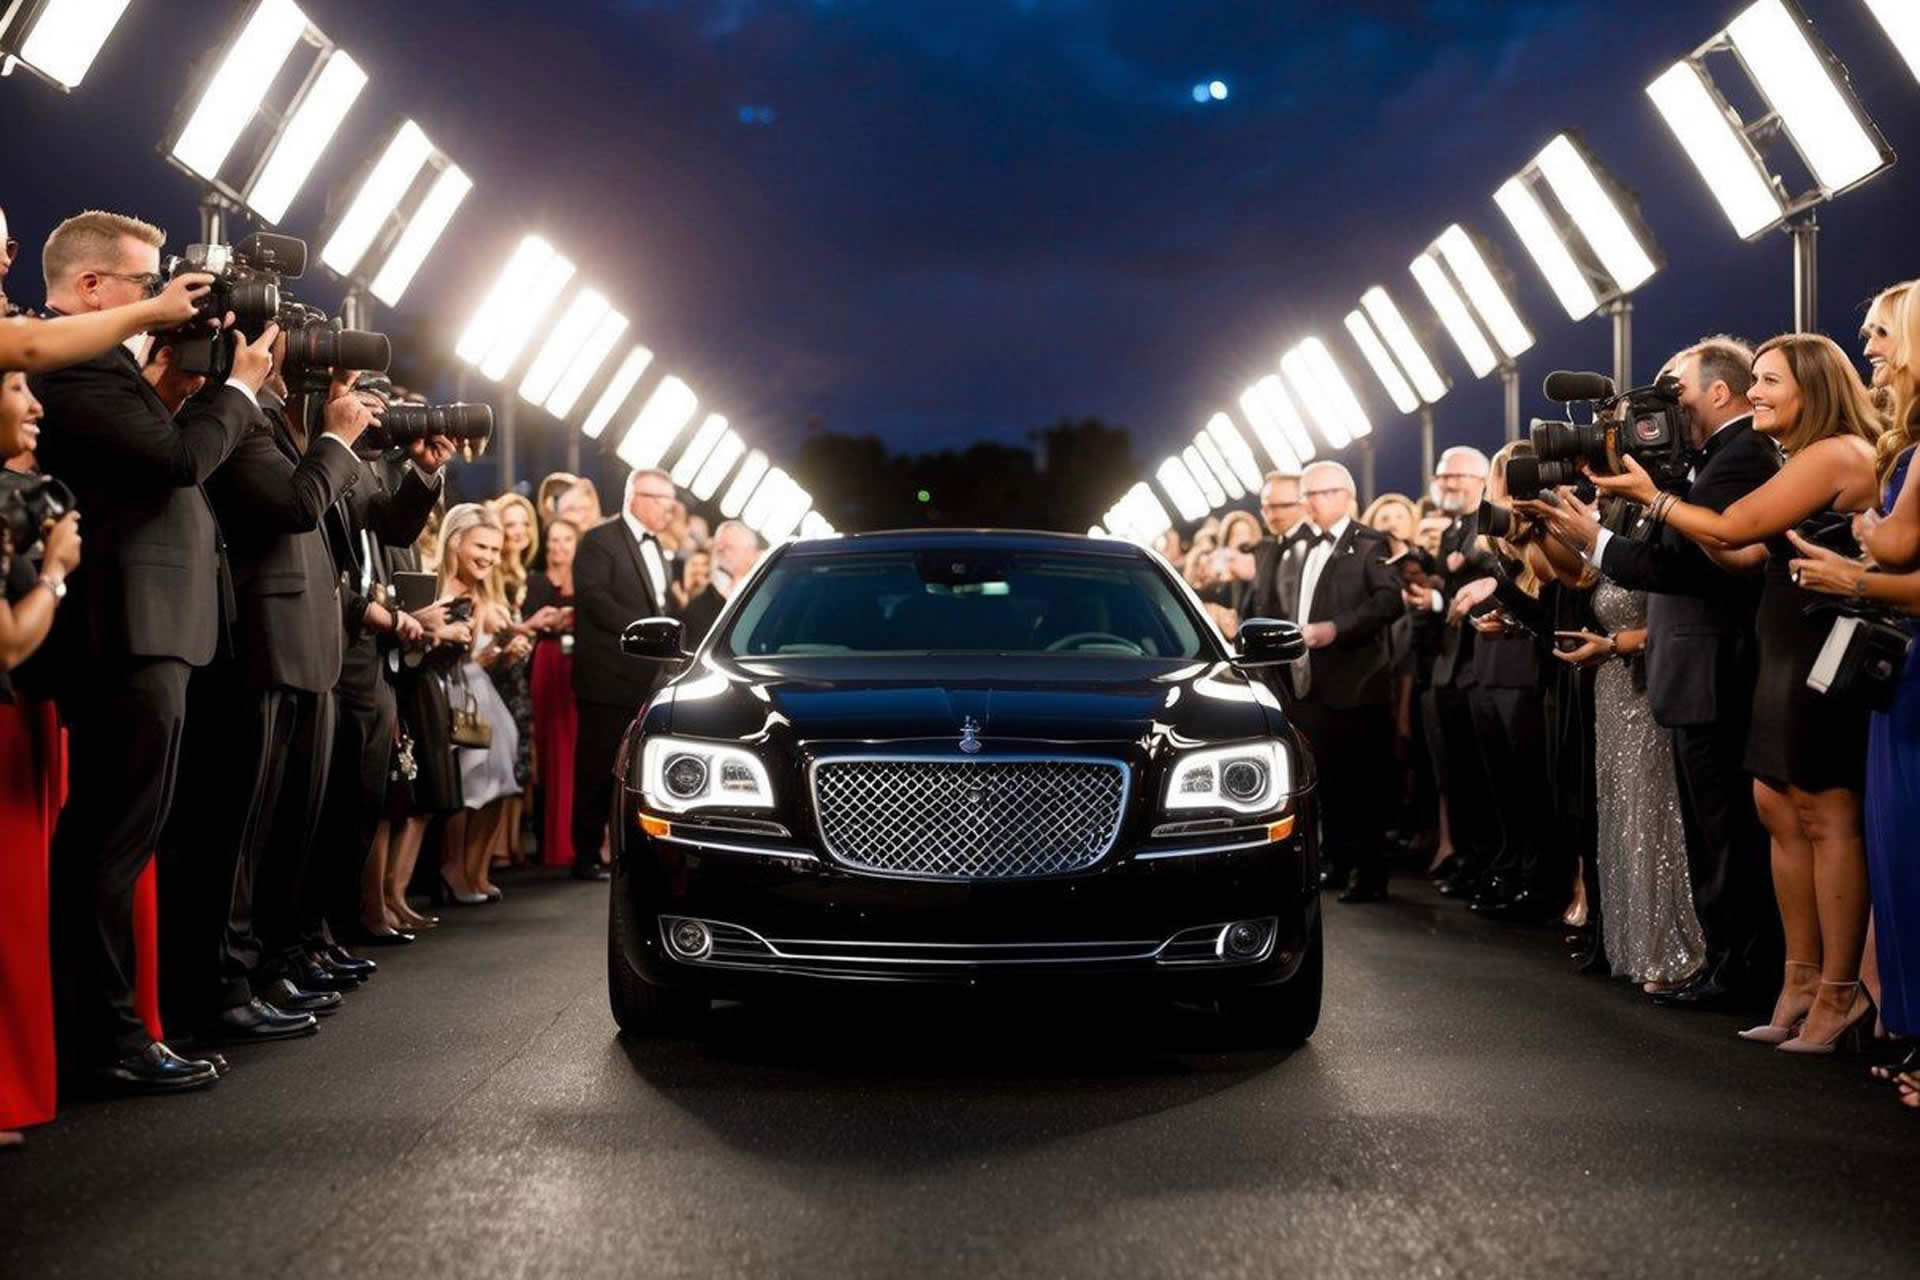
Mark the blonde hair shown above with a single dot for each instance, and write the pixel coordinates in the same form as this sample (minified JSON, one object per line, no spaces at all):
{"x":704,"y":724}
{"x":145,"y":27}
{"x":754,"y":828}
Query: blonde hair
{"x":1833,"y":400}
{"x":514,"y":566}
{"x":1233,"y":518}
{"x":1526,"y":579}
{"x":547,"y":496}
{"x":1386,"y":500}
{"x":459,"y":522}
{"x":1905,"y":383}
{"x":90,"y":241}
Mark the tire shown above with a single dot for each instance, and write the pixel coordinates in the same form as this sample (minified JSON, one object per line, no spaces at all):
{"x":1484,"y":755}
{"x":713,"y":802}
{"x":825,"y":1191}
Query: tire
{"x":1288,"y":1013}
{"x":640,"y":1008}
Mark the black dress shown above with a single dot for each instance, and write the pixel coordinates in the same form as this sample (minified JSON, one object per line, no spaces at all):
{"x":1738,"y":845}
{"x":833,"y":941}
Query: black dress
{"x":1800,"y":737}
{"x":426,"y":715}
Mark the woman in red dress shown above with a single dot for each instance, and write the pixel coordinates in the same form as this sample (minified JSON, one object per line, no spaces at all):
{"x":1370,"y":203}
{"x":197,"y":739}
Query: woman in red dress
{"x":30,"y":790}
{"x":554,"y":713}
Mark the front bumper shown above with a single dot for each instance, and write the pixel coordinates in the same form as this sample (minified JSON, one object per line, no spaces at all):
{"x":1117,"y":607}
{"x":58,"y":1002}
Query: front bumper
{"x":779,"y":913}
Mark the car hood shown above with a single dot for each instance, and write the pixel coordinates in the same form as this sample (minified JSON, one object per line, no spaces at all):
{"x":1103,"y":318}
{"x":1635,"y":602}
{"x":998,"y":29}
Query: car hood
{"x":1007,"y":699}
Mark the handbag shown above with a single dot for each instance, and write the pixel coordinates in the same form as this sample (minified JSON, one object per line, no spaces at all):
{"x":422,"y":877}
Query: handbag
{"x":470,"y":727}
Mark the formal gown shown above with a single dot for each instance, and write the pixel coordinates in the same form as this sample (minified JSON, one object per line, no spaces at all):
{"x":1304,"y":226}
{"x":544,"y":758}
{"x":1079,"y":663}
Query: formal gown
{"x":1800,"y":737}
{"x":510,"y":680}
{"x":1646,"y":899}
{"x":1893,"y":832}
{"x":556,"y":719}
{"x":486,"y":773}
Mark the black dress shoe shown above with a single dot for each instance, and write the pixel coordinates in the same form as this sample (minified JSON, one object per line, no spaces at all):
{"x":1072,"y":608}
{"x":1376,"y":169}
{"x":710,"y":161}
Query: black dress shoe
{"x":340,"y":958}
{"x":591,"y":871}
{"x":254,"y":1022}
{"x":1523,"y":906}
{"x":218,"y":1060}
{"x":378,"y":938}
{"x":1447,"y":870}
{"x":1705,"y":991}
{"x":314,"y":974}
{"x":1361,"y":892}
{"x":157,"y":1069}
{"x":282,"y":994}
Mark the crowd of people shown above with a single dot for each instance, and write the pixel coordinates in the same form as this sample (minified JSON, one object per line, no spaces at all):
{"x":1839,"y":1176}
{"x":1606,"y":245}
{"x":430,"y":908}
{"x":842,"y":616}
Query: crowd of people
{"x":267,"y":697}
{"x":1622,"y":706}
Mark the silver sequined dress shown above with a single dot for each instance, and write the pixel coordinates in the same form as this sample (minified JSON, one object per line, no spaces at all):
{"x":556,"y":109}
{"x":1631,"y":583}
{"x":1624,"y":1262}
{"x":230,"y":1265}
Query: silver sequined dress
{"x":1646,"y":901}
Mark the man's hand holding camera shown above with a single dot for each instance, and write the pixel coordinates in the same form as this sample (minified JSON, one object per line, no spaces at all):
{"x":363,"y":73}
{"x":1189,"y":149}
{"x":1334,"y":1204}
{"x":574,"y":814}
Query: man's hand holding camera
{"x":179,"y":302}
{"x":348,"y":412}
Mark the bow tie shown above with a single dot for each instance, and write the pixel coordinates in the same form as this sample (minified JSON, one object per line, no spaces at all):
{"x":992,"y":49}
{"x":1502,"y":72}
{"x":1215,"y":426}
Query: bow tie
{"x":1317,"y":539}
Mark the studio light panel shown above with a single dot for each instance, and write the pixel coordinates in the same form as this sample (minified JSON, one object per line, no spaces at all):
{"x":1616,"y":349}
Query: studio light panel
{"x":716,"y":467}
{"x":698,"y":450}
{"x":1800,"y":80}
{"x":1549,"y":252}
{"x":66,"y":37}
{"x":380,"y":193}
{"x":660,"y":420}
{"x":1598,"y":217}
{"x":1412,"y":357}
{"x":1901,"y":21}
{"x":1454,"y":316}
{"x":1276,"y":424}
{"x":308,"y":131}
{"x":744,"y":483}
{"x":1233,"y":447}
{"x":238,"y":86}
{"x":1711,"y":137}
{"x":1490,"y":302}
{"x":1398,"y":389}
{"x":1209,"y":484}
{"x":624,"y":380}
{"x":1179,"y":485}
{"x":567,"y":336}
{"x":1217,"y":463}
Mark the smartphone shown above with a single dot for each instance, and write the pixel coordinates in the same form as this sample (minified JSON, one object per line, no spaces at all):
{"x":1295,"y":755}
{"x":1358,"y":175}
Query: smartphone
{"x":414,"y":591}
{"x":1568,"y":641}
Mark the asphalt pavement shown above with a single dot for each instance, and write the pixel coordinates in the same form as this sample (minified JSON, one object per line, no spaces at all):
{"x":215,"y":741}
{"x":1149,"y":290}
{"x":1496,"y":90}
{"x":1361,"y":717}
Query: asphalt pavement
{"x":1468,"y":1108}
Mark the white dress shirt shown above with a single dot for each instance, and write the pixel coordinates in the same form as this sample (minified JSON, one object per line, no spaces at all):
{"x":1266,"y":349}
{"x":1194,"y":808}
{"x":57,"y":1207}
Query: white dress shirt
{"x":649,"y":555}
{"x":1317,"y":556}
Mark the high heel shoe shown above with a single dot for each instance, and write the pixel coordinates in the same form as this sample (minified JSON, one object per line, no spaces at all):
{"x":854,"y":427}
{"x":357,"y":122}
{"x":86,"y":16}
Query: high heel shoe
{"x":1890,"y":1072}
{"x":1852,"y":1031}
{"x":445,"y":894}
{"x":1773,"y":1032}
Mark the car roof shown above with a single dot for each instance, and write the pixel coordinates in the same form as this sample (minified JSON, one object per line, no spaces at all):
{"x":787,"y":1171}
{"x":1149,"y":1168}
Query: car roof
{"x":969,"y":539}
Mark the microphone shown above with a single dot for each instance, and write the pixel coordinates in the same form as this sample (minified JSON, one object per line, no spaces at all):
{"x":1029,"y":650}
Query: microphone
{"x":1564,"y":386}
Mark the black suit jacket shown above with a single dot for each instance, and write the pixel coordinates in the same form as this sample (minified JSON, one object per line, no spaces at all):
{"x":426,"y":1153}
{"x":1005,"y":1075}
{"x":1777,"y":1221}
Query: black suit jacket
{"x":1701,"y":652}
{"x":390,"y":503}
{"x":152,"y":582}
{"x":1453,"y":664}
{"x":1360,"y":595}
{"x":611,"y":588}
{"x":701,"y":613}
{"x":270,"y":500}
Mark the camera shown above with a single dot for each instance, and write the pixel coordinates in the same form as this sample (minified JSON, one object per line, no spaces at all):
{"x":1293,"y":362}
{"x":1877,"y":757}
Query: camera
{"x":246,"y":282}
{"x":29,"y":507}
{"x":1644,"y":423}
{"x":316,"y":346}
{"x":400,"y":424}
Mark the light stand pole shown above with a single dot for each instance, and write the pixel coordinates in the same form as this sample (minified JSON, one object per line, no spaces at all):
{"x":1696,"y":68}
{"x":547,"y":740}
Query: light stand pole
{"x":573,"y":453}
{"x":1426,"y":441}
{"x":356,"y":312}
{"x":1367,"y":486}
{"x":508,"y":412}
{"x":1510,"y":387}
{"x":213,"y":219}
{"x":1804,"y":227}
{"x":1621,"y":309}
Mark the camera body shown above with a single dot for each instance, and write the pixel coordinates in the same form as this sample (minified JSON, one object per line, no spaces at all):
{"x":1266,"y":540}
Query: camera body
{"x":30,"y":506}
{"x":1646,"y":423}
{"x":246,"y":282}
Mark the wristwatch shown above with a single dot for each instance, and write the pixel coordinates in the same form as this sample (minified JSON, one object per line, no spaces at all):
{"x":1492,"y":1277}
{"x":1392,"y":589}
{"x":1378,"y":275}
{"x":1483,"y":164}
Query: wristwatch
{"x":57,"y":585}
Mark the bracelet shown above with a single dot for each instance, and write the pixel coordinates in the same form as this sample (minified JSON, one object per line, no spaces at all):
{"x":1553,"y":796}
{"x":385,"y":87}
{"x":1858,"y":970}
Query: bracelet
{"x":1613,"y":646}
{"x":53,"y":583}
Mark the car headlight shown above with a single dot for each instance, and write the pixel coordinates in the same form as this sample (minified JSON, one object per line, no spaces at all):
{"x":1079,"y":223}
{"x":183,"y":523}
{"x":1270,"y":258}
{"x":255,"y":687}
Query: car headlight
{"x":678,"y":774}
{"x":1253,"y":777}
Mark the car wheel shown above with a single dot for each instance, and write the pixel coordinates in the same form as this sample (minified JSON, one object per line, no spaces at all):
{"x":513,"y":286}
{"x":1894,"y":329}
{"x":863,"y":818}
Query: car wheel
{"x":639,"y":1007}
{"x":1285,"y":1014}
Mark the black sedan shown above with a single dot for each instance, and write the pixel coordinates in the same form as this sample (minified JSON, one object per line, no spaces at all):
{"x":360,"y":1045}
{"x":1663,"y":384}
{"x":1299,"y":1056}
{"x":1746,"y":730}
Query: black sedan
{"x":965,"y":758}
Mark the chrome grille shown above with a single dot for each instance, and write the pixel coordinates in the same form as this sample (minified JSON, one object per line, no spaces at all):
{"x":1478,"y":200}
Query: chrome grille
{"x":969,"y":819}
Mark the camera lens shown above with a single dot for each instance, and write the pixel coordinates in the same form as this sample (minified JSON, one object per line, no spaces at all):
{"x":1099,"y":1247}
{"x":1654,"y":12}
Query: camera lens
{"x":1244,"y":780}
{"x":686,"y":776}
{"x":254,"y":304}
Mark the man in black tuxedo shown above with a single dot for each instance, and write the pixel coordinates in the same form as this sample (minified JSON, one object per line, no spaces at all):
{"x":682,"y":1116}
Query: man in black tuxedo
{"x":736,"y":549}
{"x":1702,"y":660}
{"x":619,"y":574}
{"x":1334,"y":580}
{"x":223,"y":887}
{"x":151,"y":602}
{"x":1446,"y":711}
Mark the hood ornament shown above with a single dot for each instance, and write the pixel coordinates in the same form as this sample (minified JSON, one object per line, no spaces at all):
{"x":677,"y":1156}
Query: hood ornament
{"x":970,"y":735}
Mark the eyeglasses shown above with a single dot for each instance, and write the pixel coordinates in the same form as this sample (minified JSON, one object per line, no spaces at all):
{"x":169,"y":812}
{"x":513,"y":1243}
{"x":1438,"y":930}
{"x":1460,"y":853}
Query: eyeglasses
{"x":657,"y":497}
{"x":1458,"y":475}
{"x":1321,"y":493}
{"x":1278,"y":506}
{"x":147,"y":280}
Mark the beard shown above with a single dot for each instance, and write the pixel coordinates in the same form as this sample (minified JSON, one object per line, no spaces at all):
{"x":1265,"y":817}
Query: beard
{"x":1452,"y":503}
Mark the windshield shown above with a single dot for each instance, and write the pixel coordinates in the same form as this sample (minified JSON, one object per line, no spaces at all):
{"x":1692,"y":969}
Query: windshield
{"x":964,"y":601}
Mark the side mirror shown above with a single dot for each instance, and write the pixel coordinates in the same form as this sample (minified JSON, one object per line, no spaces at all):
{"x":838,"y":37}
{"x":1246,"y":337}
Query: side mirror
{"x":1268,"y":642}
{"x":653,"y":640}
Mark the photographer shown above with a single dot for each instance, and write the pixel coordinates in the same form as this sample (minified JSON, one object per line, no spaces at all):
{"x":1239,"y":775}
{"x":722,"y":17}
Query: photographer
{"x":1806,"y":751}
{"x":31,"y":577}
{"x":1701,"y":664}
{"x":234,"y":970}
{"x":387,"y":506}
{"x":146,"y":609}
{"x":40,"y":346}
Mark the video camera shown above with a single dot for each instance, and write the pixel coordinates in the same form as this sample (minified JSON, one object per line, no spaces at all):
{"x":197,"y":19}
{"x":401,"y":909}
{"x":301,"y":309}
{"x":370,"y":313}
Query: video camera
{"x":1644,"y":423}
{"x":401,"y":423}
{"x":29,"y":507}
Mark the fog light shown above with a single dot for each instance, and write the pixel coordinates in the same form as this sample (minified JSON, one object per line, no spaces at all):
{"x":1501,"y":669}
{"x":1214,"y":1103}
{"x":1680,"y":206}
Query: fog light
{"x":1245,"y":939}
{"x":690,"y":939}
{"x":655,"y":827}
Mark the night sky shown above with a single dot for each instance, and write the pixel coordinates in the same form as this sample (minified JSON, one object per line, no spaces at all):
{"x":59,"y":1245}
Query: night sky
{"x":969,"y":218}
